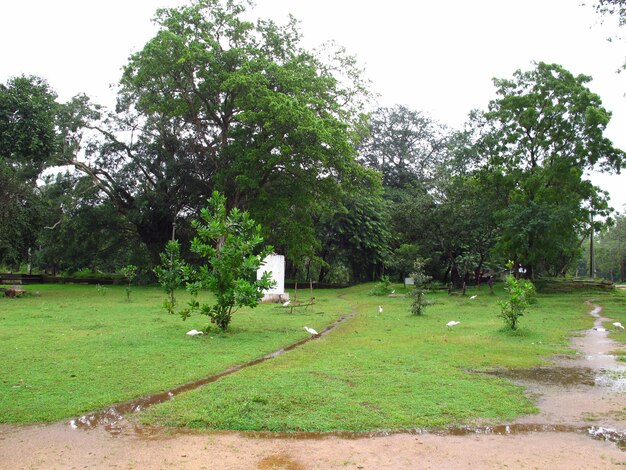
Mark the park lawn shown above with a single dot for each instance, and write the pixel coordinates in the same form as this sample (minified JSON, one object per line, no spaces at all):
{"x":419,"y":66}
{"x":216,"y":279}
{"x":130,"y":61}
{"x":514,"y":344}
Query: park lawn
{"x":71,"y":349}
{"x":392,"y":371}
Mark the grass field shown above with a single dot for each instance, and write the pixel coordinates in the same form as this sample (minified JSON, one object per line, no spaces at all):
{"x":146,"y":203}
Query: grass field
{"x":72,"y":349}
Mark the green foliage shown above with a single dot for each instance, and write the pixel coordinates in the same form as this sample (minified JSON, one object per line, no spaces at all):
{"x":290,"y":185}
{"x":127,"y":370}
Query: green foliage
{"x":230,"y":243}
{"x":418,"y":293}
{"x":406,"y":146}
{"x":218,"y":102}
{"x":130,"y":273}
{"x":355,"y":235}
{"x":382,"y":288}
{"x":171,"y":273}
{"x":28,"y":143}
{"x":521,"y":293}
{"x":609,"y":252}
{"x":540,"y":137}
{"x":82,"y":232}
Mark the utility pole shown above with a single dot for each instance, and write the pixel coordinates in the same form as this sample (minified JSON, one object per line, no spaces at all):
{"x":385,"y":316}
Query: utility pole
{"x":591,"y":245}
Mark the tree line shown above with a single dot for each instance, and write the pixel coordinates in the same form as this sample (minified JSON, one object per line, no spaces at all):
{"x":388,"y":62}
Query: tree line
{"x":215,"y":102}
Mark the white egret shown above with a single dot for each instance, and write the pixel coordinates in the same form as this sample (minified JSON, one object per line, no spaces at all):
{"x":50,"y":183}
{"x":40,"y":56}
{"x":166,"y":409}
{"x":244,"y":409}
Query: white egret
{"x":618,"y":325}
{"x":311,"y":331}
{"x":452,"y":323}
{"x":286,"y":304}
{"x":194,"y":333}
{"x":393,"y":291}
{"x":473,"y":297}
{"x":380,"y":309}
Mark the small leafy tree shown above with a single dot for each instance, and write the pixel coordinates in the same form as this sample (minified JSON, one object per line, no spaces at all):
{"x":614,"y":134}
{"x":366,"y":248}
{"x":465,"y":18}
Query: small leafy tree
{"x":130,"y":273}
{"x":382,"y":288}
{"x":418,"y":293}
{"x":170,"y":273}
{"x":230,"y":242}
{"x":521,"y":294}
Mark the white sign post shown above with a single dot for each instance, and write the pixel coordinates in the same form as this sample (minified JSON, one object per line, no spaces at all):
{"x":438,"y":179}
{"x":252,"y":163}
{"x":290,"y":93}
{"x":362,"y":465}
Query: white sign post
{"x":275,"y":264}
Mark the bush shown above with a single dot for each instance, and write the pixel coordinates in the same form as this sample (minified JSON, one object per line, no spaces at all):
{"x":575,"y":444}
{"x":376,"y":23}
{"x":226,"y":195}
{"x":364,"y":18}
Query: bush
{"x":521,"y":294}
{"x":382,"y":288}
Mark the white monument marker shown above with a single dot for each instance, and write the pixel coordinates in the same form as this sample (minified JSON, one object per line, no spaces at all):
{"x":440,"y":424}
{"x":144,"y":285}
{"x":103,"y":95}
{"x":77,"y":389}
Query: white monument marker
{"x":276,"y":265}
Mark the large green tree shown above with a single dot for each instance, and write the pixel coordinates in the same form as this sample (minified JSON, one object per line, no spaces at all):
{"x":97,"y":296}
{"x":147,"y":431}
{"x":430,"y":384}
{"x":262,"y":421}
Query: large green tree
{"x":217,"y":102}
{"x":28,"y":143}
{"x":539,"y":138}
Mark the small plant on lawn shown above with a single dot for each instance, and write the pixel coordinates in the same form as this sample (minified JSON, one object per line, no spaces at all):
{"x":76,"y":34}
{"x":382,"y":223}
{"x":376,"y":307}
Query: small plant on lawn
{"x":231,"y":244}
{"x":521,"y":294}
{"x":170,"y":273}
{"x":130,"y":273}
{"x":100,"y":289}
{"x":382,"y":288}
{"x":418,"y":293}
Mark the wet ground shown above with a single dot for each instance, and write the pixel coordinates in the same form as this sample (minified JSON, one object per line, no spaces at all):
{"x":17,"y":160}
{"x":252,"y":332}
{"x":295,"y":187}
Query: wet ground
{"x":581,"y":424}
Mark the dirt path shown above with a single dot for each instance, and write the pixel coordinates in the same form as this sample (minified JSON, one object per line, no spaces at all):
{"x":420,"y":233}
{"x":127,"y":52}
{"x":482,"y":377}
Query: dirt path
{"x":577,"y":397}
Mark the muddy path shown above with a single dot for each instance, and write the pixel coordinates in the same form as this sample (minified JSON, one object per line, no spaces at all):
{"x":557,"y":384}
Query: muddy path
{"x":581,"y":423}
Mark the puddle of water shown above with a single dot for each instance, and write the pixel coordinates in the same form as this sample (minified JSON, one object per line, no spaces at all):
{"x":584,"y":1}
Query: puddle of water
{"x":111,"y":418}
{"x":549,"y":375}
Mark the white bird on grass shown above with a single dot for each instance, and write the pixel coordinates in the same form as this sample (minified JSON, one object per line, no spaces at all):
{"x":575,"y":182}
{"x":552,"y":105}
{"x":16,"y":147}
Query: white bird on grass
{"x":380,"y":309}
{"x":286,"y":304}
{"x":311,"y":331}
{"x":473,"y":297}
{"x":618,"y":325}
{"x":452,"y":323}
{"x":393,"y":291}
{"x":194,"y":333}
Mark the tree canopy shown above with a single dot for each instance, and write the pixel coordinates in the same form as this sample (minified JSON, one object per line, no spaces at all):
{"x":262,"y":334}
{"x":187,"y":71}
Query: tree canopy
{"x":538,"y":138}
{"x":216,"y":102}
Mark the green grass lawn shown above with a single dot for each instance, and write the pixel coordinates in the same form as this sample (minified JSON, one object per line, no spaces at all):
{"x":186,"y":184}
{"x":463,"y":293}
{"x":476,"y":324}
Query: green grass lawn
{"x":71,"y":350}
{"x":391,"y":371}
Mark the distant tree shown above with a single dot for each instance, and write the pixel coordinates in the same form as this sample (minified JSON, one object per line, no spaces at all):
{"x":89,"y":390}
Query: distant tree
{"x":79,"y":229}
{"x":358,"y":236}
{"x":610,"y":251}
{"x":538,"y":138}
{"x":404,"y":145}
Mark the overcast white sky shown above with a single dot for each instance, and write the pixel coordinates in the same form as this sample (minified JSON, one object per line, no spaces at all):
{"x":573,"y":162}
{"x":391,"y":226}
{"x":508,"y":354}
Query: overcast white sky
{"x":437,"y":57}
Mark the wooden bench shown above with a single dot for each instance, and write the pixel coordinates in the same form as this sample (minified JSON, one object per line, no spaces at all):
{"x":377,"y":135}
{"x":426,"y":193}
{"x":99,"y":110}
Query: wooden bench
{"x":13,"y":291}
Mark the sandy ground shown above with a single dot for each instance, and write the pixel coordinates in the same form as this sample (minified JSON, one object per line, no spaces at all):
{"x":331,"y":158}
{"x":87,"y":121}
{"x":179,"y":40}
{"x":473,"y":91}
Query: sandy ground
{"x":58,"y":447}
{"x":570,"y":408}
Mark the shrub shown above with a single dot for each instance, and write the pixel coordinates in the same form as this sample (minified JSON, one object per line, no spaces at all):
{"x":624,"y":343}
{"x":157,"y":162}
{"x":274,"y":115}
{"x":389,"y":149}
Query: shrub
{"x":382,"y":288}
{"x":521,"y":294}
{"x":418,"y":293}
